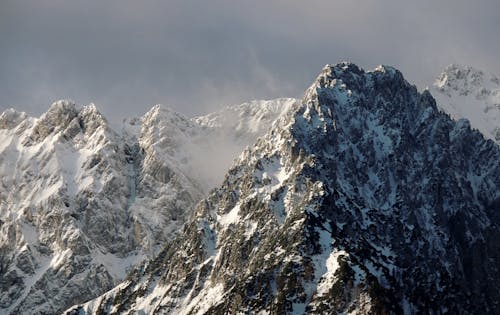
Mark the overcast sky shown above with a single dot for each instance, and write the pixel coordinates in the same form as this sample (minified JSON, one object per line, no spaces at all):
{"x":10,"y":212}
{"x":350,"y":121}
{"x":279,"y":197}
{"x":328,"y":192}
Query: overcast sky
{"x":196,"y":56}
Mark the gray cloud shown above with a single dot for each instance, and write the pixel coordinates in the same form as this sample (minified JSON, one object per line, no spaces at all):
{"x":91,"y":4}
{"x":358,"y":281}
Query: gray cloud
{"x":199,"y":55}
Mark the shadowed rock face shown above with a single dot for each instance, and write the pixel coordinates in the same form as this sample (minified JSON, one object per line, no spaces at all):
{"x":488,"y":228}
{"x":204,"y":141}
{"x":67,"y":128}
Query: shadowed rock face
{"x":363,"y":198}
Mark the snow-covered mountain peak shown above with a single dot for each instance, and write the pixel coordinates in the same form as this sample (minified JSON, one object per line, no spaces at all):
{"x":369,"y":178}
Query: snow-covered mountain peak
{"x":160,"y":110}
{"x":332,"y":75}
{"x":342,"y":66}
{"x":167,"y":119}
{"x":91,"y":110}
{"x":386,"y":69}
{"x":60,"y":111}
{"x":466,"y":80}
{"x":461,"y":79}
{"x":64,"y":119}
{"x":347,"y":74}
{"x":55,"y":120}
{"x":90,"y":119}
{"x":10,"y":118}
{"x":338,"y":70}
{"x":347,"y":68}
{"x":346,"y":82}
{"x":156,"y":110}
{"x":466,"y":92}
{"x":169,"y":134}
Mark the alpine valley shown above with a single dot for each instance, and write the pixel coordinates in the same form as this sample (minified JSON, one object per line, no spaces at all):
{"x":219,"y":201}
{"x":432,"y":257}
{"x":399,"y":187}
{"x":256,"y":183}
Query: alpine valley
{"x":364,"y":197}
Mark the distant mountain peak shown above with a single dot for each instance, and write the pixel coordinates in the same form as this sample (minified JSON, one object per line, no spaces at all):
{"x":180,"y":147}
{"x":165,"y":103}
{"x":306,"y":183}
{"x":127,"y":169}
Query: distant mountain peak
{"x":62,"y":105}
{"x":466,"y":92}
{"x":11,"y":118}
{"x":459,"y":78}
{"x":90,"y":119}
{"x":165,"y":115}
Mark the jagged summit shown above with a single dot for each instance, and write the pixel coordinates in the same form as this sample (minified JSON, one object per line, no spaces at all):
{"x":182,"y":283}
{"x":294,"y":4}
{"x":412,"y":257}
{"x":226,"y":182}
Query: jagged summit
{"x":57,"y":118}
{"x":363,"y":198}
{"x":90,"y":119}
{"x":351,"y":75}
{"x":346,"y":67}
{"x":387,"y":69}
{"x":166,"y":116}
{"x":160,"y":109}
{"x":348,"y":83}
{"x":60,"y":107}
{"x":65,"y":119}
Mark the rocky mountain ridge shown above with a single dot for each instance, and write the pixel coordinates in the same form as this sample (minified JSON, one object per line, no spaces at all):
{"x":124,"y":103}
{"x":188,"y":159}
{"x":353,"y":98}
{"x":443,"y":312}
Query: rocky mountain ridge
{"x":82,"y":203}
{"x":365,"y":198}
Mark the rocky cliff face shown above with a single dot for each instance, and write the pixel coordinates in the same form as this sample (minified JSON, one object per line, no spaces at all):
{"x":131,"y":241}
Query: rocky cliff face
{"x":80,"y":203}
{"x":363,"y":199}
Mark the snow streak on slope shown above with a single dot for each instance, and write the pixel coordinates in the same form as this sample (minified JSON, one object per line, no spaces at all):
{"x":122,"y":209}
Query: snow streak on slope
{"x":465,"y":92}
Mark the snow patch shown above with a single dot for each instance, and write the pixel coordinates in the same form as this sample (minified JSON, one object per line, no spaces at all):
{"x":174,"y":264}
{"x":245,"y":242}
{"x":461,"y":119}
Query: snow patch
{"x":118,"y":267}
{"x":328,"y":278}
{"x":231,"y":217}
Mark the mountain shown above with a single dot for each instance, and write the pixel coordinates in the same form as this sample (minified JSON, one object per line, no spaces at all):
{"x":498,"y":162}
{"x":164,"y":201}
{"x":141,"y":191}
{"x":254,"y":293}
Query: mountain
{"x":465,"y":92}
{"x":363,"y":199}
{"x":225,"y":133}
{"x":81,"y":203}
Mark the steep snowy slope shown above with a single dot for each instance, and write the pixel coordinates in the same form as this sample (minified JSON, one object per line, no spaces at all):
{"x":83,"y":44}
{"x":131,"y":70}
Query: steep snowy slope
{"x":364,"y":199}
{"x":465,"y":92}
{"x":80,"y":203}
